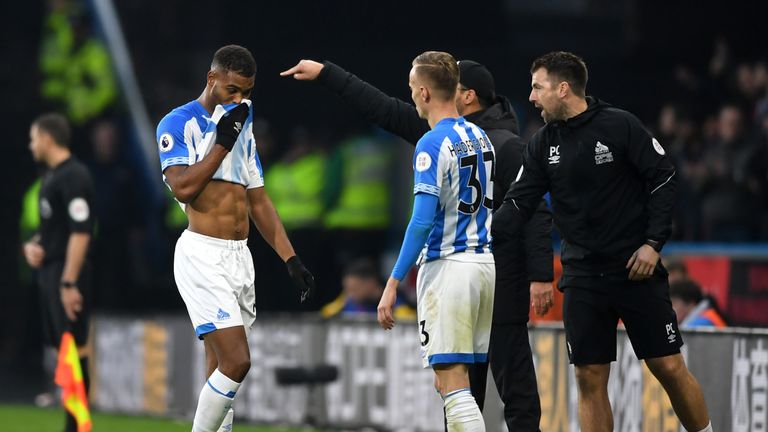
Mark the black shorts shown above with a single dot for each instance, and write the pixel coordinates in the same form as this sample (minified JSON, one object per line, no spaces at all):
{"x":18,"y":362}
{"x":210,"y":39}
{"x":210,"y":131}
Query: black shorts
{"x":54,"y":320}
{"x":591,"y":312}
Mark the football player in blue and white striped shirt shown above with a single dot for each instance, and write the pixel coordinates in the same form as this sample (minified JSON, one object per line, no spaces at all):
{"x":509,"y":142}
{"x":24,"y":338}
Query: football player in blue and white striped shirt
{"x":209,"y":161}
{"x":451,"y":228}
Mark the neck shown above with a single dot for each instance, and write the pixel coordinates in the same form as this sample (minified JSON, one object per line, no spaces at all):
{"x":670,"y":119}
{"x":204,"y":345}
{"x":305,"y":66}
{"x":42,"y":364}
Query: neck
{"x":57,"y":156}
{"x":575,"y":107}
{"x":207,"y":101}
{"x":441,"y":112}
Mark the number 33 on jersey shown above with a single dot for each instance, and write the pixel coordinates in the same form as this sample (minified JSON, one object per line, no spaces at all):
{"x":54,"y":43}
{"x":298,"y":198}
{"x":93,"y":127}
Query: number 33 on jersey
{"x":455,"y":162}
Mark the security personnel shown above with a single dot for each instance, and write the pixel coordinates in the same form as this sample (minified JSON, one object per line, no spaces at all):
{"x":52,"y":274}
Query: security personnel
{"x":59,"y":250}
{"x":612,"y":187}
{"x":523,"y":264}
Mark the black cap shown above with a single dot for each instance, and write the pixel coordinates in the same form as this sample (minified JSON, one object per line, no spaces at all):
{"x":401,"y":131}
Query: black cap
{"x":477,"y":77}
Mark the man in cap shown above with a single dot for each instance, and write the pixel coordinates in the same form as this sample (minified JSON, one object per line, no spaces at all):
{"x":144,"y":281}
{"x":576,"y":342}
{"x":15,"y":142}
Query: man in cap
{"x":523,"y":265}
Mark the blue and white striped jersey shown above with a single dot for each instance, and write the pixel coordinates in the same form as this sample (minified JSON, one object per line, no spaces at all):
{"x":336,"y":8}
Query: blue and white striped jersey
{"x":455,"y":162}
{"x":187,"y":134}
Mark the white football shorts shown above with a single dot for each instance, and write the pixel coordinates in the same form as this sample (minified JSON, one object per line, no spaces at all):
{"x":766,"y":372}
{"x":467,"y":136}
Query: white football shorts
{"x":455,"y":310}
{"x":215,"y":278}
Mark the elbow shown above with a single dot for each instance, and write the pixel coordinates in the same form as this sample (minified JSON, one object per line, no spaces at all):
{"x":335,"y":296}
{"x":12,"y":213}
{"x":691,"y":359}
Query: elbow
{"x":184,"y":195}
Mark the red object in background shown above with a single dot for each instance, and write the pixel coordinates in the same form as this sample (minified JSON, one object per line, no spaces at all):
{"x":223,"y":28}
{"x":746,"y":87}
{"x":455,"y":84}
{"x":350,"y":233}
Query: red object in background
{"x":555,"y":313}
{"x":713,"y":274}
{"x":758,"y":278}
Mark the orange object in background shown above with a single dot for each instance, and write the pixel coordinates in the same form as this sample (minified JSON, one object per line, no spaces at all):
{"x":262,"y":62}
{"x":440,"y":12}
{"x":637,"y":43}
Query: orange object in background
{"x":555,"y":313}
{"x":69,"y":376}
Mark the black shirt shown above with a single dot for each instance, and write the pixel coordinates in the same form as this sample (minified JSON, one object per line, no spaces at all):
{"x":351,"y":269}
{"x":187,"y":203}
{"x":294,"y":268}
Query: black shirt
{"x":611,"y":183}
{"x":65,"y":207}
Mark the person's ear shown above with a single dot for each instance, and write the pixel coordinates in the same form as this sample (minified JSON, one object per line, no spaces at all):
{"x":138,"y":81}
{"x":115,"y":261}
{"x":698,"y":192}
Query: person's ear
{"x":211,"y":77}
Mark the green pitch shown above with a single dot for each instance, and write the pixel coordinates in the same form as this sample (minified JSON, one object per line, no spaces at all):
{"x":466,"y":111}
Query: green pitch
{"x":23,"y":418}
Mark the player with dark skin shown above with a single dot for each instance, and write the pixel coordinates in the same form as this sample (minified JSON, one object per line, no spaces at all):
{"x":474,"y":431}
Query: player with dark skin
{"x":220,"y":209}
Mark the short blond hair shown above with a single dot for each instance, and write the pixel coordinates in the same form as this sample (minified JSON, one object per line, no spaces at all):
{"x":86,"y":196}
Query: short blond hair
{"x":441,"y":70}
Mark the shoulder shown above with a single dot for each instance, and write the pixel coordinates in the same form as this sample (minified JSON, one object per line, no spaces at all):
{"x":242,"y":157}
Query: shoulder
{"x":621,"y":117}
{"x":176,"y":119}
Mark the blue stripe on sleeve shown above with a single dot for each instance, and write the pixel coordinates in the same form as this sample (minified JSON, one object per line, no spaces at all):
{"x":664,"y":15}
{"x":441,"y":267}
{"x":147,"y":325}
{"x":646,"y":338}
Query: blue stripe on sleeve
{"x":422,"y":220}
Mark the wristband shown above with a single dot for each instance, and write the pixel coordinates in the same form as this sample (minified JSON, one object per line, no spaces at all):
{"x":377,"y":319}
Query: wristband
{"x":656,"y":245}
{"x":67,"y":284}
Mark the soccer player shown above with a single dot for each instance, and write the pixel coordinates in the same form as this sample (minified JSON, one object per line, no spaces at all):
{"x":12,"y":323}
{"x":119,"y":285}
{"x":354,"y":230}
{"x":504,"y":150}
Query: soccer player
{"x":523,"y":264}
{"x":612,"y":188}
{"x":209,"y":161}
{"x":59,"y":249}
{"x":453,"y":173}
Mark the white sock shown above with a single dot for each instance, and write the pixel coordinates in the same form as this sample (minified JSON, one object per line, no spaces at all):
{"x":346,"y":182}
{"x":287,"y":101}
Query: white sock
{"x":214,"y":403}
{"x":708,"y":428}
{"x":226,"y":425}
{"x":462,"y":413}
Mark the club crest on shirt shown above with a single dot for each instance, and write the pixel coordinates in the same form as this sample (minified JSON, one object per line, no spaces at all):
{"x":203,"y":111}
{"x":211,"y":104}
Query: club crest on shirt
{"x":423,"y":161}
{"x":165,"y":143}
{"x":602,"y":154}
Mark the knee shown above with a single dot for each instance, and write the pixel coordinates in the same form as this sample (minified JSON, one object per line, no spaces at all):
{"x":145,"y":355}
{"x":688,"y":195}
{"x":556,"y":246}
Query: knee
{"x":237,"y":368}
{"x":667,"y":369}
{"x":592,"y":379}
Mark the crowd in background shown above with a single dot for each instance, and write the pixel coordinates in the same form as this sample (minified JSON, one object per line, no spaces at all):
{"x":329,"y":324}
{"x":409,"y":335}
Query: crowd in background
{"x":714,"y":124}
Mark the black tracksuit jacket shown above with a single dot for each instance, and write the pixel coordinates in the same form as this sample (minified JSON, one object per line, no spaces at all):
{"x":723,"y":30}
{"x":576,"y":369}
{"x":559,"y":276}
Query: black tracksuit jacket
{"x":612,"y":188}
{"x":521,"y":257}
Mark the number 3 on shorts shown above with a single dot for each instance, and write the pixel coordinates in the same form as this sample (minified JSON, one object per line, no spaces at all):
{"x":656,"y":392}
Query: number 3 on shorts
{"x":422,"y":323}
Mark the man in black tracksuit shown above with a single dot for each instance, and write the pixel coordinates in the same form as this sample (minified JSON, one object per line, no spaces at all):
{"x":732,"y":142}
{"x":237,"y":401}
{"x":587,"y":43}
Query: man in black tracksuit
{"x":519,"y":260}
{"x":612,"y":189}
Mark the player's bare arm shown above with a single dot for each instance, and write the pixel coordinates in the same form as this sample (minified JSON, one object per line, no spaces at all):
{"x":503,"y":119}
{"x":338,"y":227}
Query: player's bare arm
{"x":188,"y":181}
{"x":71,"y":299}
{"x":305,"y":70}
{"x":271,"y":228}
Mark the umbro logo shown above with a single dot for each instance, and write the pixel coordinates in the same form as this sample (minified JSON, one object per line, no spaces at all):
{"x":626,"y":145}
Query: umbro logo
{"x":238,"y":127}
{"x":554,"y":155}
{"x":222,"y":315}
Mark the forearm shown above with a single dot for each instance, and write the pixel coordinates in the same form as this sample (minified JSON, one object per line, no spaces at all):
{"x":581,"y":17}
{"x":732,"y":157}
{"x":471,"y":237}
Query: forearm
{"x":270,"y":227}
{"x":389,"y":113}
{"x":422,"y":220}
{"x":77,"y":248}
{"x":187,"y":182}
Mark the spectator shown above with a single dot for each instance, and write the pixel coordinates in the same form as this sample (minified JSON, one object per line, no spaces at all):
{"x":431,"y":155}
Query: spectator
{"x":677,"y":271}
{"x":361,"y":291}
{"x":692,"y":307}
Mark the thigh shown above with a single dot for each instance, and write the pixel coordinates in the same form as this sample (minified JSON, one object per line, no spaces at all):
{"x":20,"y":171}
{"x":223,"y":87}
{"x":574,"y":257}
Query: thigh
{"x":247,"y":296}
{"x":53,"y":317}
{"x":590,"y":326}
{"x":482,"y":286}
{"x":446,"y":312}
{"x":651,"y":323}
{"x":209,"y":291}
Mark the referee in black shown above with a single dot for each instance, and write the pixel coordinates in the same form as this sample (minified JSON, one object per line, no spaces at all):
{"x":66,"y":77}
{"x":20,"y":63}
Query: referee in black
{"x":612,"y":189}
{"x":59,"y":250}
{"x":523,"y":263}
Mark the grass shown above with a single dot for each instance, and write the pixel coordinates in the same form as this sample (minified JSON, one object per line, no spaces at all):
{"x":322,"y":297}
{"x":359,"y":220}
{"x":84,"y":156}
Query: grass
{"x":24,"y":418}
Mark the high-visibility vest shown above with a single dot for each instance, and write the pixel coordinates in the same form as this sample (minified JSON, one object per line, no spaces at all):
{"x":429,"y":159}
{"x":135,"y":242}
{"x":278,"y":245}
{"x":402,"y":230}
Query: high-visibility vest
{"x":364,"y":201}
{"x":81,"y":78}
{"x":296,"y":190}
{"x":30,"y":211}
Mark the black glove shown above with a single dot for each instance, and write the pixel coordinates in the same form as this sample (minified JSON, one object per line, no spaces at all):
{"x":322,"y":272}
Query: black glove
{"x":230,"y":125}
{"x":302,"y":278}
